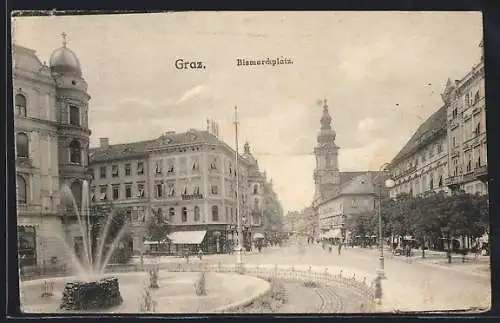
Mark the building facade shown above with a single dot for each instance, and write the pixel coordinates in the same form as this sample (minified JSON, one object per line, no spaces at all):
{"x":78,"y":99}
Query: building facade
{"x":422,"y":165}
{"x":51,"y":143}
{"x":448,"y":151}
{"x":186,"y":179}
{"x":466,"y":132}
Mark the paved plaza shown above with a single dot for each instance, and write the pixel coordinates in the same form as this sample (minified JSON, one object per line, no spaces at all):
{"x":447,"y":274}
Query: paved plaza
{"x":412,"y":284}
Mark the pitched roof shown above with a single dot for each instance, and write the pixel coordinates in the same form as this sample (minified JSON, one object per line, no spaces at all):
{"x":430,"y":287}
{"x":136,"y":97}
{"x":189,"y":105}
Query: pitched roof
{"x":430,"y":127}
{"x":118,"y":152}
{"x":358,"y":185}
{"x":347,"y":176}
{"x":140,"y":149}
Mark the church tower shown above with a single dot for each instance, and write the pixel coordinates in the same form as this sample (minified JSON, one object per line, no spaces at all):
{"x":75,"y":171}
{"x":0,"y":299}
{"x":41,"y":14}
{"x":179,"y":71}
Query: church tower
{"x":326,"y":174}
{"x":72,"y":118}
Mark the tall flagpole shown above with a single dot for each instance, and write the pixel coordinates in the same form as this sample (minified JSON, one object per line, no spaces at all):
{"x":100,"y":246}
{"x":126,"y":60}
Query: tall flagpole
{"x":239,"y":248}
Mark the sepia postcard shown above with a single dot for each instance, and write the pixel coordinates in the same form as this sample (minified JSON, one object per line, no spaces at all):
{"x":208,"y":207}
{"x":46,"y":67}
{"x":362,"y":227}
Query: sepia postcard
{"x":251,"y":162}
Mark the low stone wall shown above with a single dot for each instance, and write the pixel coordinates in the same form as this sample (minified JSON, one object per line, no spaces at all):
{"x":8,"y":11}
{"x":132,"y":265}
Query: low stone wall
{"x":99,"y":294}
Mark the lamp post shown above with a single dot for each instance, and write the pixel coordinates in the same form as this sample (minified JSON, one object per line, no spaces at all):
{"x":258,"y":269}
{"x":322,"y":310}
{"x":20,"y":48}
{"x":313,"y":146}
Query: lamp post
{"x":389,"y":183}
{"x":239,"y":248}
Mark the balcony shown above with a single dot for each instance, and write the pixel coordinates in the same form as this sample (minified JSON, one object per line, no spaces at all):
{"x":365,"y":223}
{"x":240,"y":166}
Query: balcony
{"x":452,"y":181}
{"x":481,"y":173}
{"x":24,"y":162}
{"x":29,"y":209}
{"x":192,"y":196}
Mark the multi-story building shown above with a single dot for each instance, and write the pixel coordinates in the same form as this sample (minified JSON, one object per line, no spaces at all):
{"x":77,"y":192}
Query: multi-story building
{"x":120,"y":175}
{"x":448,"y":151}
{"x":466,"y":130}
{"x":51,"y":136}
{"x":422,"y":165}
{"x":188,"y":180}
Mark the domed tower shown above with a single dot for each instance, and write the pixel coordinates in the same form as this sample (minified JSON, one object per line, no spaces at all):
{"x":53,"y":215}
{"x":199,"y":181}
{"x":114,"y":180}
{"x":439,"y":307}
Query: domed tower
{"x":72,"y":118}
{"x":326,"y":174}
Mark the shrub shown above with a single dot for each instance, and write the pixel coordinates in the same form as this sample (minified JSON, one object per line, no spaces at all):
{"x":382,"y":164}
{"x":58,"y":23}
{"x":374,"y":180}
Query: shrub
{"x":310,"y":284}
{"x":278,"y":291}
{"x":199,"y":285}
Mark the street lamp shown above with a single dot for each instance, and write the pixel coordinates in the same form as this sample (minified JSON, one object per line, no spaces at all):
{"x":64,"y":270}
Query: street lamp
{"x":389,"y":183}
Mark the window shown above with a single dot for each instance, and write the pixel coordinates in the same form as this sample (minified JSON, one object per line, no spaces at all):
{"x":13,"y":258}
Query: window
{"x":478,"y":162}
{"x":467,"y":102}
{"x":75,"y":155}
{"x":116,"y":192}
{"x":140,"y":190}
{"x":215,"y":213}
{"x":128,"y":169}
{"x":159,"y":190}
{"x":22,"y":145}
{"x":196,"y":190}
{"x":214,"y":189}
{"x":91,"y":173}
{"x":440,"y":181}
{"x":22,"y":189}
{"x":128,"y":214}
{"x":171,"y":169}
{"x":157,"y":167}
{"x":135,"y":215}
{"x":171,"y":214}
{"x":102,"y":171}
{"x":439,"y":148}
{"x":453,"y":142}
{"x":213,"y":164}
{"x":197,"y":213}
{"x":20,"y":102}
{"x":477,"y":131}
{"x":74,"y":115}
{"x":26,"y":245}
{"x":185,"y":191}
{"x":195,"y":165}
{"x":256,"y":189}
{"x":128,"y":191}
{"x":469,"y":166}
{"x":76,"y":190}
{"x":103,"y":193}
{"x":171,"y":189}
{"x":184,"y":214}
{"x":114,"y":170}
{"x":455,"y":113}
{"x":431,"y":183}
{"x":354,"y":203}
{"x":92,"y":194}
{"x":230,"y":169}
{"x":476,"y":97}
{"x":140,"y":168}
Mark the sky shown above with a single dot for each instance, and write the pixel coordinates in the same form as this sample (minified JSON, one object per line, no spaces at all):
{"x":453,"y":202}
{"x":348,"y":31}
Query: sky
{"x":382,"y":73}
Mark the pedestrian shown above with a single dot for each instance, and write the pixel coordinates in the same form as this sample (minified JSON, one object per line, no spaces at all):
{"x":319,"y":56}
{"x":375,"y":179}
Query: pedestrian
{"x":340,"y":247}
{"x":200,"y":254}
{"x":378,"y":289}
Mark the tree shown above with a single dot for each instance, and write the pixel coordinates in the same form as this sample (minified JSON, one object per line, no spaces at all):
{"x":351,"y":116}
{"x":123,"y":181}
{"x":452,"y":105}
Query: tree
{"x":157,"y":228}
{"x":119,"y":226}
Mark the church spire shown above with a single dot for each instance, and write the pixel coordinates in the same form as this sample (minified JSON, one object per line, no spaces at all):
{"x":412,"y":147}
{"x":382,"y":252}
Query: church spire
{"x":326,"y":119}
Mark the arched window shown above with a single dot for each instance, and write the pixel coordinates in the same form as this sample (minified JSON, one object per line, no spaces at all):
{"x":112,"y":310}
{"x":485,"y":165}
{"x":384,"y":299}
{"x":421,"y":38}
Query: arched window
{"x":75,"y":155}
{"x":256,"y":189}
{"x":74,"y":115}
{"x":184,"y":214}
{"x":22,"y":189}
{"x":171,"y":214}
{"x":215,"y":213}
{"x":197,"y":213}
{"x":76,"y":190}
{"x":22,"y":145}
{"x":20,"y":102}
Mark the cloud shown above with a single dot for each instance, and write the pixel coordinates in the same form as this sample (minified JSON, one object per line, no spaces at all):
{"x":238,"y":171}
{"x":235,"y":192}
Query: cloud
{"x":195,"y":91}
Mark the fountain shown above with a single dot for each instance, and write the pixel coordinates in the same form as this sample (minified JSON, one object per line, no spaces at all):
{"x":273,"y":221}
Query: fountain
{"x":92,"y":290}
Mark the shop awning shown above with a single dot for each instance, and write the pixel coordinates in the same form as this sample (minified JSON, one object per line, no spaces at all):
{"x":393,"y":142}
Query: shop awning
{"x":258,"y":235}
{"x":150,"y":242}
{"x":187,"y":237}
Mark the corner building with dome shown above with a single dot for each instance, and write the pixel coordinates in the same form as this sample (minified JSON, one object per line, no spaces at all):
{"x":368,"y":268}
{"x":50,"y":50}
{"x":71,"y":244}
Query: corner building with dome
{"x":51,"y":148}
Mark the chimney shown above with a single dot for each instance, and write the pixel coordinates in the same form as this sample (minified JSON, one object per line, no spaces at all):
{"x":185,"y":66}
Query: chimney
{"x":103,"y":142}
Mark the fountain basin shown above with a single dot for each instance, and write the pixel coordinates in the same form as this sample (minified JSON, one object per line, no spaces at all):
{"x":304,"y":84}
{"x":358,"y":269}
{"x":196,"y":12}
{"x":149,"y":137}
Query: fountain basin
{"x":176,"y":293}
{"x":101,"y":294}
